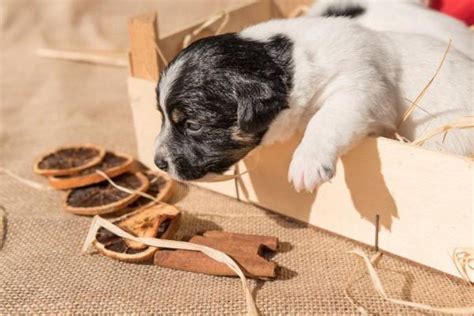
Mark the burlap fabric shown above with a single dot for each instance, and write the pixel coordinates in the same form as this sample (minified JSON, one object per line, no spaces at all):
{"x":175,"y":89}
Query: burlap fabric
{"x":45,"y":103}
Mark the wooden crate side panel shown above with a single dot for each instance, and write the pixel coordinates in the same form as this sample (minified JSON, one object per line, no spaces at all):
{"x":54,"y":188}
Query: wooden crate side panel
{"x":424,"y":198}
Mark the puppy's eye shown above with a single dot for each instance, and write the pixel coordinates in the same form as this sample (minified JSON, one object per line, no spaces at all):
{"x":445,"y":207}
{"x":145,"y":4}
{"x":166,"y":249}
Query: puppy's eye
{"x":193,"y":126}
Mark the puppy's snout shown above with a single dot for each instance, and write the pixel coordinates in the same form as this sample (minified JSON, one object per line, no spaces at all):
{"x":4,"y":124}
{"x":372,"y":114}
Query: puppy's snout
{"x":161,"y":163}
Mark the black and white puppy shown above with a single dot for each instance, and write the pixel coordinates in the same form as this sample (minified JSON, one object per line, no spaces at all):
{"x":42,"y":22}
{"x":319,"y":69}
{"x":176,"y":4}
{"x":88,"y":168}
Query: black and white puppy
{"x":405,"y":16}
{"x":331,"y":78}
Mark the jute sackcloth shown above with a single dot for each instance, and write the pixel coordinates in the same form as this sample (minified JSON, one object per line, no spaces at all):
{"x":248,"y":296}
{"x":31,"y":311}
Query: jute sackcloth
{"x":46,"y":103}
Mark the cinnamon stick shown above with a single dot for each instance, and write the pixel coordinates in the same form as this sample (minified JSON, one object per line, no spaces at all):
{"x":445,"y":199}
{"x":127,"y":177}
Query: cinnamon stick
{"x":229,"y":246}
{"x":193,"y":261}
{"x":268,"y":241}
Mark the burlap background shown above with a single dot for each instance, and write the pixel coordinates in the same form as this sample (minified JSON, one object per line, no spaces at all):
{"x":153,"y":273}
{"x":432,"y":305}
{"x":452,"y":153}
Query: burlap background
{"x":46,"y":103}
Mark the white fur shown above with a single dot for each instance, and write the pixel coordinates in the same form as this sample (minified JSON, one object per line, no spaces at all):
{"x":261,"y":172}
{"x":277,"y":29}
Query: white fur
{"x":166,"y":83}
{"x":406,"y":16}
{"x":350,"y":82}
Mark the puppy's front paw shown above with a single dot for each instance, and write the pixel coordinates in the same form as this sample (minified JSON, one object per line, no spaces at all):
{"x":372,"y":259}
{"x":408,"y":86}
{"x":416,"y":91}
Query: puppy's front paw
{"x":308,"y":169}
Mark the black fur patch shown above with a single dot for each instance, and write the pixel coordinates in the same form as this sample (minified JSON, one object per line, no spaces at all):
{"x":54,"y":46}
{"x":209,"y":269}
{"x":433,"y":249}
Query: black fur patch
{"x":230,"y":86}
{"x":344,"y":10}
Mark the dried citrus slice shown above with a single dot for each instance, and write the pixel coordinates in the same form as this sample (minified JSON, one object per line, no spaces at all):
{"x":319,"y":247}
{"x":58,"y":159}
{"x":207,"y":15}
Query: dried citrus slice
{"x":69,"y":160}
{"x":112,"y":165}
{"x":159,"y":221}
{"x":161,"y":188}
{"x":103,"y":197}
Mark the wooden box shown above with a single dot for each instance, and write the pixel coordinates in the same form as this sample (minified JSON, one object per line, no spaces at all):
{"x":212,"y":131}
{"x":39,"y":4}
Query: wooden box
{"x":422,"y":200}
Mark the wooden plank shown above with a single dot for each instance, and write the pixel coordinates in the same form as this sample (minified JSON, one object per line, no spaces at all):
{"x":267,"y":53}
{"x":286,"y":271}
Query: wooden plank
{"x":424,"y":198}
{"x":144,"y":60}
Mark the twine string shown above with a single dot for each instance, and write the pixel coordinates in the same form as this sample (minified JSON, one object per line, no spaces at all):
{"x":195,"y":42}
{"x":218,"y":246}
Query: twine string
{"x":378,"y":286}
{"x":98,"y":222}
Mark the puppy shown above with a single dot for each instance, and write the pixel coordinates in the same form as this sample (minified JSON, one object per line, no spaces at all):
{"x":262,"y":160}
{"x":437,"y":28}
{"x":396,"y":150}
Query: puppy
{"x":406,"y":16}
{"x":331,"y":78}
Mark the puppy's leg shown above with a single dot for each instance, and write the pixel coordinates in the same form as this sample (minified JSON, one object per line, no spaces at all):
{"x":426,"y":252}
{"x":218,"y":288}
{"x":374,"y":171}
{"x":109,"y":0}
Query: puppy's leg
{"x":343,"y":120}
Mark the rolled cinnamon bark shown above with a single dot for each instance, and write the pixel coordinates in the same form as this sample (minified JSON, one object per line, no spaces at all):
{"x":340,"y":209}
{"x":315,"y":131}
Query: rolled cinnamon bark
{"x":193,"y":261}
{"x":268,"y":241}
{"x":229,"y":246}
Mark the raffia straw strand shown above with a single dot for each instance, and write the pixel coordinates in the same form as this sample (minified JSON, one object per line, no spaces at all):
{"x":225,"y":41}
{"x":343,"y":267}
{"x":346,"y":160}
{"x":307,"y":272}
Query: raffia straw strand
{"x":83,"y":56}
{"x":188,"y":37}
{"x":124,"y":189}
{"x":219,"y":256}
{"x":402,"y":138}
{"x":226,"y":215}
{"x":377,"y":284}
{"x":348,"y":295}
{"x":207,"y":23}
{"x":425,"y":89}
{"x":27,"y":182}
{"x":145,"y":195}
{"x":462,"y":123}
{"x":298,"y":11}
{"x":421,"y":108}
{"x":160,"y":54}
{"x":464,"y":260}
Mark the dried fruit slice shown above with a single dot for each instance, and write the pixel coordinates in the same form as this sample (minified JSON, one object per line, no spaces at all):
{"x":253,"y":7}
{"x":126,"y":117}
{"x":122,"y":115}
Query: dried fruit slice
{"x":69,"y":160}
{"x":159,"y":221}
{"x":104,"y":198}
{"x":161,"y":187}
{"x":112,"y":165}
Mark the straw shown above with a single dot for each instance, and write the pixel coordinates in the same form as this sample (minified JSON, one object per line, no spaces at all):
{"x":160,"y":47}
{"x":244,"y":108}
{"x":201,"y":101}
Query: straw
{"x":211,"y":20}
{"x":420,"y":96}
{"x":124,"y":189}
{"x":298,"y":11}
{"x":27,"y":182}
{"x":117,"y":59}
{"x":377,"y":284}
{"x":464,"y":260}
{"x":463,"y":123}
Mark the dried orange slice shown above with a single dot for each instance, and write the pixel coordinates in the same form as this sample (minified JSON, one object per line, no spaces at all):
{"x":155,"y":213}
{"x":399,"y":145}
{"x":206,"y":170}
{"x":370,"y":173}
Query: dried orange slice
{"x":161,"y":188}
{"x":69,"y":160}
{"x":159,"y":221}
{"x":113,"y":164}
{"x":103,"y":197}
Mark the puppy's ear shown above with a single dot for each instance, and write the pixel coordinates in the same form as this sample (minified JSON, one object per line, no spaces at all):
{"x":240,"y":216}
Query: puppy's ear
{"x":258,"y":105}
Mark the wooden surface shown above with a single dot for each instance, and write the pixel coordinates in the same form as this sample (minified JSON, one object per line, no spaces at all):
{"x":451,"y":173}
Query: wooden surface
{"x":144,"y":60}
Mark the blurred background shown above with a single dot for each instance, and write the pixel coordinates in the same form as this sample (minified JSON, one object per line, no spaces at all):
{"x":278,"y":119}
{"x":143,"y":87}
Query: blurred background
{"x":49,"y":102}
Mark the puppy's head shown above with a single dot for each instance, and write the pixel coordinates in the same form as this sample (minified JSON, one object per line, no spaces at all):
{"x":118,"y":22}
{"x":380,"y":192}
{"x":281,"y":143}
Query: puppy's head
{"x":217,"y":99}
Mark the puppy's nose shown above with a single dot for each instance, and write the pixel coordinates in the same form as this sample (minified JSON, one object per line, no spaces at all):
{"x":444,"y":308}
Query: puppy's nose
{"x":161,"y":163}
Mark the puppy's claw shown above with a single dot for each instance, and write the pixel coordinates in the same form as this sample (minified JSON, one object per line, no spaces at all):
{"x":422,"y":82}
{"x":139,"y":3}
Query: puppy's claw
{"x":308,"y":170}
